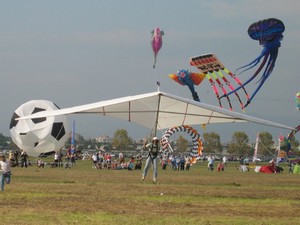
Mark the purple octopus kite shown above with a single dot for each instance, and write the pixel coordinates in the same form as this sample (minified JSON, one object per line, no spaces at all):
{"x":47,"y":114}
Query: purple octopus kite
{"x":269,"y":34}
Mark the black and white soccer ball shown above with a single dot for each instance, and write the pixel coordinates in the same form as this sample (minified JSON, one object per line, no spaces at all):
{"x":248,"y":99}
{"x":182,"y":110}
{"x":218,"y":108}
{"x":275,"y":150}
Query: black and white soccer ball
{"x":40,"y":135}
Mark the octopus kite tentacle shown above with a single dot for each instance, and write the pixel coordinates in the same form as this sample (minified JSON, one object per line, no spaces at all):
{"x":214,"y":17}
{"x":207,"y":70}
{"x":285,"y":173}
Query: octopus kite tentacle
{"x":231,"y":88}
{"x":237,"y":80}
{"x":222,"y":88}
{"x":248,"y":81}
{"x":215,"y":89}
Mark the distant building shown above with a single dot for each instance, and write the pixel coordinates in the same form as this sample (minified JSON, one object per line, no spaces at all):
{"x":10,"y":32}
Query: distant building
{"x":103,"y":139}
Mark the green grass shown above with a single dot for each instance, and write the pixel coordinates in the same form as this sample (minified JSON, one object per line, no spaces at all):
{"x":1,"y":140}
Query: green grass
{"x":82,"y":195}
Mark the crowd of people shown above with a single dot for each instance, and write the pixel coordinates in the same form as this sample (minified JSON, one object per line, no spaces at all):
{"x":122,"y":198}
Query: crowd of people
{"x":176,"y":162}
{"x":104,"y":160}
{"x":19,"y":158}
{"x":153,"y":157}
{"x":13,"y":158}
{"x":68,"y":161}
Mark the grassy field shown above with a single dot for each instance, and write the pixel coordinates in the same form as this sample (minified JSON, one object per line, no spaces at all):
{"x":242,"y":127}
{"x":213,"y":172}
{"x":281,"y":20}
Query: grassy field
{"x":82,"y":195}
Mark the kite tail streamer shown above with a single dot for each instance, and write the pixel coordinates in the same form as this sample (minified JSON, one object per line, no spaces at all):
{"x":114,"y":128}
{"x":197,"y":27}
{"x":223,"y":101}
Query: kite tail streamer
{"x":231,"y":88}
{"x":266,"y":74}
{"x":154,"y":61}
{"x":253,"y":63}
{"x":223,"y":89}
{"x":248,"y":81}
{"x":238,"y":81}
{"x":270,"y":65}
{"x":213,"y":85}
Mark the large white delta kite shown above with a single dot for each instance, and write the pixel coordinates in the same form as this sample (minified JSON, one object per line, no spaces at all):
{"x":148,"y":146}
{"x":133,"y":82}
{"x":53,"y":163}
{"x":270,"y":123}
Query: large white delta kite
{"x":158,"y":110}
{"x":39,"y":127}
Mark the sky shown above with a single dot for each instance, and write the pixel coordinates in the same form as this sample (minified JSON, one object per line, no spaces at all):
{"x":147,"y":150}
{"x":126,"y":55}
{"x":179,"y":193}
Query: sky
{"x":74,"y":52}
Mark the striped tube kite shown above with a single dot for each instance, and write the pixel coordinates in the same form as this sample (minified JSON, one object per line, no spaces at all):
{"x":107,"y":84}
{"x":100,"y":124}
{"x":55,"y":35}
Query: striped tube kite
{"x":197,"y":141}
{"x":214,"y":70}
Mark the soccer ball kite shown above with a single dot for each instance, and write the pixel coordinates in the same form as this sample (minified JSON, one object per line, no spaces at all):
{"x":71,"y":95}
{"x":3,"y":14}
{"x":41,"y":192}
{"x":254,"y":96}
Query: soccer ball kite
{"x":41,"y":135}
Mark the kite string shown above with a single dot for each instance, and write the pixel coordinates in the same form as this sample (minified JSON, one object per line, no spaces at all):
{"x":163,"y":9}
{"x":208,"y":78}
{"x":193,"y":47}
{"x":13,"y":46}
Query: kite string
{"x":156,"y":81}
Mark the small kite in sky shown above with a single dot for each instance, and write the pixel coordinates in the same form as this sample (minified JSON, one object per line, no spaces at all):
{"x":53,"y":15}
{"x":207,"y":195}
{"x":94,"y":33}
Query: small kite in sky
{"x":185,"y":77}
{"x":297,"y":100}
{"x":156,"y":42}
{"x":269,"y":34}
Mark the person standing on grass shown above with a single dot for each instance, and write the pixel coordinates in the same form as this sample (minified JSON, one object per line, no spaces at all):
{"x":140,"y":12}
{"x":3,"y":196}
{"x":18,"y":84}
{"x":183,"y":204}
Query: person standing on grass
{"x":121,"y":158}
{"x":224,"y":159}
{"x":95,"y":160}
{"x":210,"y":164}
{"x":16,"y":155}
{"x":4,"y":172}
{"x":56,"y":159}
{"x":153,"y":149}
{"x":24,"y":157}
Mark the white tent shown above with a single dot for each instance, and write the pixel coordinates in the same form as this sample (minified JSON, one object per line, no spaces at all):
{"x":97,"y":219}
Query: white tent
{"x":160,"y":110}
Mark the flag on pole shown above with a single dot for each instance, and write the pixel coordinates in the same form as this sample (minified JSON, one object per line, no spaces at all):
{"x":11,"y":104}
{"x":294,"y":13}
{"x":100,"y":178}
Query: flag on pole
{"x":256,"y":148}
{"x":73,"y":134}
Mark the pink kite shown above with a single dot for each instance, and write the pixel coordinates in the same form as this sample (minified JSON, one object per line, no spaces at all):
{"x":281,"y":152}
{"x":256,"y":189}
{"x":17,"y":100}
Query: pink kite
{"x":156,"y":42}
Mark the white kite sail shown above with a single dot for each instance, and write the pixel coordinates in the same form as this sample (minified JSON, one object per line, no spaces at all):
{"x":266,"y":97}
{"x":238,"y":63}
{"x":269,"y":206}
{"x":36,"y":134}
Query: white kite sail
{"x":159,"y":110}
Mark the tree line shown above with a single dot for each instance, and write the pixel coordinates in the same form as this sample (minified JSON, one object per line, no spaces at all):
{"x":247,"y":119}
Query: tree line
{"x":238,"y":145}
